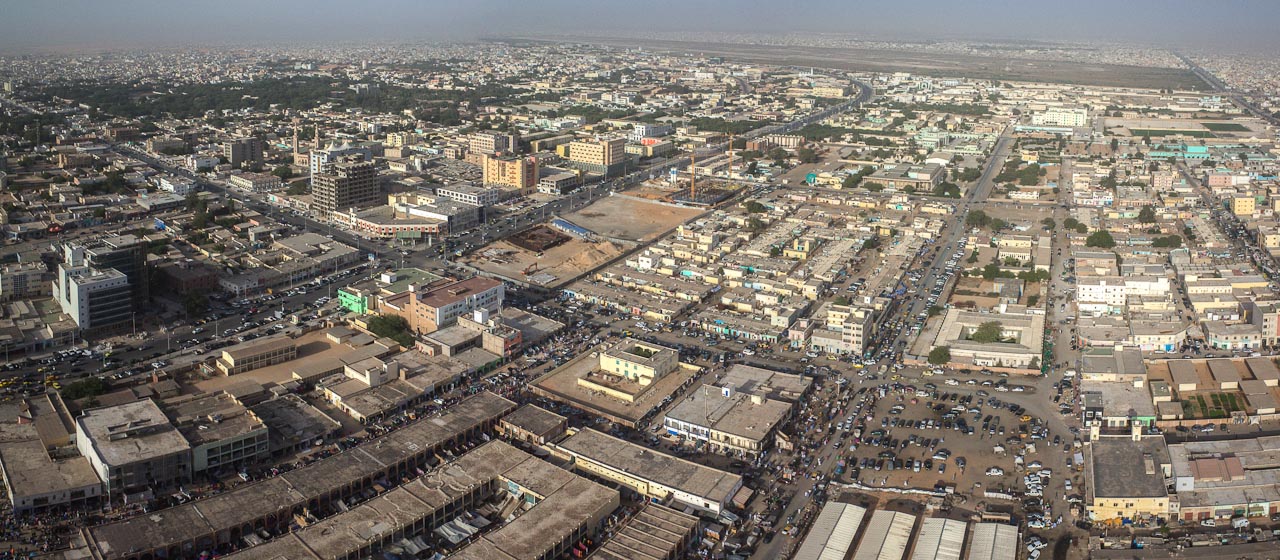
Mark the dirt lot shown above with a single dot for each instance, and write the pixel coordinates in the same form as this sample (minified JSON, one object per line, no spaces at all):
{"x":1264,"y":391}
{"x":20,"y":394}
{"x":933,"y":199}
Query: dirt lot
{"x":555,"y":267}
{"x":631,"y":219}
{"x":978,"y":450}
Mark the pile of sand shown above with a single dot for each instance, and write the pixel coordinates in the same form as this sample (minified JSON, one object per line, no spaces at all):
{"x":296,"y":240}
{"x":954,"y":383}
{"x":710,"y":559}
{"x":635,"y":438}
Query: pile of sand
{"x":594,"y":255}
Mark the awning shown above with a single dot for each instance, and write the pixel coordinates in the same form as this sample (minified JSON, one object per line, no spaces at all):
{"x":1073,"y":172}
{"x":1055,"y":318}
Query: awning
{"x":743,"y":496}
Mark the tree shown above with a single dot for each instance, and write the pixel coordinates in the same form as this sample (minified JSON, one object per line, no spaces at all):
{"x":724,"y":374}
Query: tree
{"x":1147,"y":215}
{"x":84,"y":388}
{"x":754,"y":207}
{"x":934,"y":310}
{"x":988,"y":332}
{"x":296,"y":189}
{"x":1101,"y":239}
{"x":977,"y":218}
{"x":1115,"y":144}
{"x":873,"y":187}
{"x":754,"y":224}
{"x":806,"y":155}
{"x":775,"y":251}
{"x":394,"y":327}
{"x":195,"y":304}
{"x":871,"y":244}
{"x":284,"y":172}
{"x":1049,"y":223}
{"x":940,"y":355}
{"x":842,"y":300}
{"x":991,"y":271}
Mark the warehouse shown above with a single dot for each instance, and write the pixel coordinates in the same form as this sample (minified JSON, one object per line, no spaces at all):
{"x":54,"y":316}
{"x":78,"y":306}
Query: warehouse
{"x":886,"y":537}
{"x":832,"y":533}
{"x":993,"y":541}
{"x":939,"y":539}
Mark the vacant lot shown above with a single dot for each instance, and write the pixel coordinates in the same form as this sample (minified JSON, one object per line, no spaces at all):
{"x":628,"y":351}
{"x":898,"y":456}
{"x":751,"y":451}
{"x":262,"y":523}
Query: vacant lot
{"x":631,"y":219}
{"x":1225,"y":127}
{"x":555,"y":267}
{"x":1169,"y":132}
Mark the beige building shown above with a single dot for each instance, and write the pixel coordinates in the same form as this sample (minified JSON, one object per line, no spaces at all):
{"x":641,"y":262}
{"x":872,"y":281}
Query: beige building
{"x":351,"y":184}
{"x":511,"y":172}
{"x":266,"y":353}
{"x":604,"y":157}
{"x":1127,"y":478}
{"x":637,"y":361}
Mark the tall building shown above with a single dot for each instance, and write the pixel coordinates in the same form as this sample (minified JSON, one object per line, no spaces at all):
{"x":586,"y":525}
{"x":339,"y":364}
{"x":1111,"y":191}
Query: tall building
{"x":492,"y":142}
{"x":352,"y":183}
{"x":322,"y":160}
{"x":96,"y":299}
{"x":125,"y":253}
{"x":239,"y":151}
{"x":513,"y":172}
{"x":606,"y":156}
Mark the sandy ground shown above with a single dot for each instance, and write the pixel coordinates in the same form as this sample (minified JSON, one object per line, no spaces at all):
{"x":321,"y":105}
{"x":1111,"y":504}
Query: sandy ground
{"x":555,"y":267}
{"x":631,"y":219}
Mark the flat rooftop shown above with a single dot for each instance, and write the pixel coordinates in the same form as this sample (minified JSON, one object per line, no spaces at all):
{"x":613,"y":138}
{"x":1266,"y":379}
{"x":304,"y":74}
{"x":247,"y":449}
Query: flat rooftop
{"x":534,"y":419}
{"x":247,"y":503}
{"x":711,"y":484}
{"x":290,"y":420}
{"x":561,"y":384}
{"x":211,"y":417}
{"x":131,"y":432}
{"x":29,"y":471}
{"x":760,"y":381}
{"x":1120,"y":470}
{"x":736,"y":414}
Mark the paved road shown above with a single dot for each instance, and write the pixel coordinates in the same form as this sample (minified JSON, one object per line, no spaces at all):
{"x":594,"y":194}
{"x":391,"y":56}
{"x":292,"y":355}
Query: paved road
{"x":1219,"y":86}
{"x":949,"y":241}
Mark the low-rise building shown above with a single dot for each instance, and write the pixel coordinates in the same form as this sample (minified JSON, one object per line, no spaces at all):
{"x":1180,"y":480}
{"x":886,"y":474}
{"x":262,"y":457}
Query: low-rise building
{"x":652,"y":475}
{"x":133,"y":447}
{"x":258,"y":355}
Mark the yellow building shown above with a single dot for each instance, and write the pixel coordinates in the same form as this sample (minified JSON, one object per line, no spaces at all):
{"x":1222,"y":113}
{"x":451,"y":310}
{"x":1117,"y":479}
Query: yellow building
{"x":606,"y":156}
{"x":1243,"y":205}
{"x":512,"y":172}
{"x":639,"y":362}
{"x":1127,"y":478}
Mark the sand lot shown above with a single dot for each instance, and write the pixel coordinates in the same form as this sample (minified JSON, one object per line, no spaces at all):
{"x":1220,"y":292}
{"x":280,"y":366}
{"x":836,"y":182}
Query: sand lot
{"x":555,"y":267}
{"x":631,"y":219}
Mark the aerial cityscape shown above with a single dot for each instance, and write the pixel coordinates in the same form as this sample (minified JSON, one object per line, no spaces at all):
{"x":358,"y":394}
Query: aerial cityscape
{"x":507,"y":281}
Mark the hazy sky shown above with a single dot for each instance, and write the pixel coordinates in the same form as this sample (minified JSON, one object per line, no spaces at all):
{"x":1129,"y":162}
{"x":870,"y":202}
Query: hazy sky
{"x":69,"y":24}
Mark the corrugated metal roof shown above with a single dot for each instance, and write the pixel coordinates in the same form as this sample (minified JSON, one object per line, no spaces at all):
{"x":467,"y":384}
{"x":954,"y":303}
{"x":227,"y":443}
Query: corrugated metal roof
{"x":939,"y":539}
{"x":832,"y":533}
{"x":887,"y":536}
{"x":993,"y":541}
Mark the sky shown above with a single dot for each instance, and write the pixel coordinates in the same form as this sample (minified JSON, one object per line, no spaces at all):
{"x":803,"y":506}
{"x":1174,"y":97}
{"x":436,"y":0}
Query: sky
{"x":1242,"y":25}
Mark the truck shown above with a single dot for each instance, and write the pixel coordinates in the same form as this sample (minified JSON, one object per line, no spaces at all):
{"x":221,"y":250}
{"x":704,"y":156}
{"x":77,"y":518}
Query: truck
{"x":1239,"y":523}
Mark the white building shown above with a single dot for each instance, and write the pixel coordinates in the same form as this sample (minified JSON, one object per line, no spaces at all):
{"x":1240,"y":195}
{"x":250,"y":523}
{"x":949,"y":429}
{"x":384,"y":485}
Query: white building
{"x":92,"y":297}
{"x":180,"y":186}
{"x":1061,"y":116}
